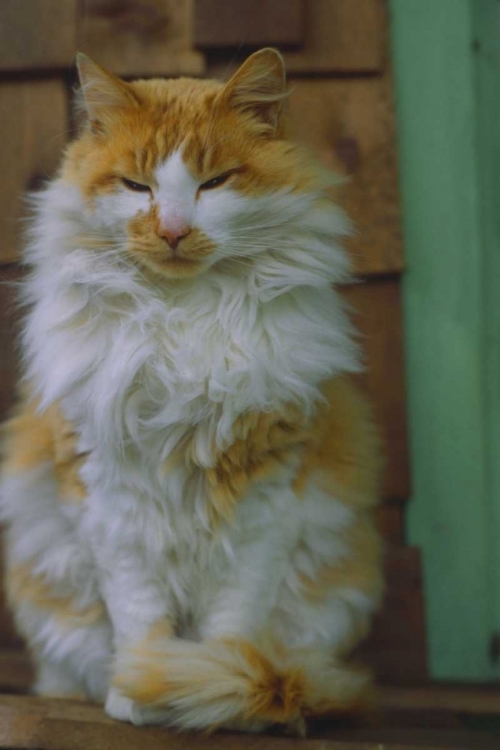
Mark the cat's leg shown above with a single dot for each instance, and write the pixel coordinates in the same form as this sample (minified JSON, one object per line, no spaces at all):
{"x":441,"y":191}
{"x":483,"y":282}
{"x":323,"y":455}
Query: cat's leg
{"x":335,"y":582}
{"x":142,"y":619}
{"x":81,"y":666}
{"x":328,"y":598}
{"x":51,"y":580}
{"x":57,"y":681}
{"x":237,"y":673}
{"x":236,"y":676}
{"x":139,"y":610}
{"x":129,"y":549}
{"x":208,"y":683}
{"x":333,"y":587}
{"x":52,"y":589}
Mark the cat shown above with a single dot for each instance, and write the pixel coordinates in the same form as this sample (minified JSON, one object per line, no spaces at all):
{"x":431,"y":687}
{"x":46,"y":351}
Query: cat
{"x":190,"y":475}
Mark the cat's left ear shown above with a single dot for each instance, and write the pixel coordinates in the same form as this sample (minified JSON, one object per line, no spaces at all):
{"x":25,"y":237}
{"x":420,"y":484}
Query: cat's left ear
{"x":259,"y":87}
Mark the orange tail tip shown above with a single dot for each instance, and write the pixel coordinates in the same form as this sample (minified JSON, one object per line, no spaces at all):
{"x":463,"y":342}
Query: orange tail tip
{"x":206,"y":685}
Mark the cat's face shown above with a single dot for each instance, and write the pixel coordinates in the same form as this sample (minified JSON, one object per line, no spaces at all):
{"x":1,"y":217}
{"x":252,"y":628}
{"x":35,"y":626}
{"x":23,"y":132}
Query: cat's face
{"x":184,"y":174}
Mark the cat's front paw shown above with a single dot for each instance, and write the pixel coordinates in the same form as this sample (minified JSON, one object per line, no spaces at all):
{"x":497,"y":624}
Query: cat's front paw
{"x":118,"y":706}
{"x":122,"y":708}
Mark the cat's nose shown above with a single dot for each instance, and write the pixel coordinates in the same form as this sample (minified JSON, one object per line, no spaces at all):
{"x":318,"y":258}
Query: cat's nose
{"x":174,"y":236}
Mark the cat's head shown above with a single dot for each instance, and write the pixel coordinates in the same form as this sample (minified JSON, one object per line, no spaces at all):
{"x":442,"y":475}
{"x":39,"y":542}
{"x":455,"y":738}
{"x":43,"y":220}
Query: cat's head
{"x":186,"y":173}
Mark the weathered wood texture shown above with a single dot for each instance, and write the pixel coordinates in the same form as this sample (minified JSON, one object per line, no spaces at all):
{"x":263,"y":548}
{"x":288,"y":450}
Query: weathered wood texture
{"x":396,"y":648}
{"x":51,"y":724}
{"x":376,"y":312}
{"x":140,"y":37}
{"x":465,"y":698}
{"x":16,"y":671}
{"x":33,"y":123}
{"x":9,"y":277}
{"x":342,"y":36}
{"x":255,"y":23}
{"x":390,"y":521}
{"x":349,"y":125}
{"x":37,"y":34}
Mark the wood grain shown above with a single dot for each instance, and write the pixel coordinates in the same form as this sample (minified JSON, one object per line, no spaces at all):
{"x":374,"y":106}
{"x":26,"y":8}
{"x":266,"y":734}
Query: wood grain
{"x":140,"y":37}
{"x":256,"y":23}
{"x":33,"y":122}
{"x":51,"y":724}
{"x":390,"y":522}
{"x":396,"y":648}
{"x":37,"y":34}
{"x":9,"y":277}
{"x":376,"y":311}
{"x":349,"y":125}
{"x":16,"y":670}
{"x":341,"y":36}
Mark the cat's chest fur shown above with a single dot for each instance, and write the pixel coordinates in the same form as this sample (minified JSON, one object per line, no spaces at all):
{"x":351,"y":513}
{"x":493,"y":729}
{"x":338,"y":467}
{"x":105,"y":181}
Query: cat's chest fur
{"x":146,"y":374}
{"x":138,"y":368}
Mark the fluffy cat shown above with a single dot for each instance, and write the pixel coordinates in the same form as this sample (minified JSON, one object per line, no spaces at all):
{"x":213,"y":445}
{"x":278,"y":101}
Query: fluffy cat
{"x":189,"y":477}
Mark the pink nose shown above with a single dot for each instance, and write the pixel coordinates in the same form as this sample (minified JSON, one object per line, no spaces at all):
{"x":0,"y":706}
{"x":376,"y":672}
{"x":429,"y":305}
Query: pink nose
{"x":174,"y":236}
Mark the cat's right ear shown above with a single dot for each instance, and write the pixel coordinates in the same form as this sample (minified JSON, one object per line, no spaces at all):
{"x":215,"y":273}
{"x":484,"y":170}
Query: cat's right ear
{"x":102,"y":93}
{"x":258,"y":88}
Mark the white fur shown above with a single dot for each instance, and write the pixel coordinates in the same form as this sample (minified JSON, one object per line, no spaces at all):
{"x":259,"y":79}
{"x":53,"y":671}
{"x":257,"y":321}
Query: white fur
{"x":137,"y":367}
{"x":176,"y":194}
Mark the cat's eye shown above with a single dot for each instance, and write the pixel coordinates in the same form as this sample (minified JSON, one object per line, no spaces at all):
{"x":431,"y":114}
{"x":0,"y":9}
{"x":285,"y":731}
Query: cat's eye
{"x":215,"y":182}
{"x":137,"y":186}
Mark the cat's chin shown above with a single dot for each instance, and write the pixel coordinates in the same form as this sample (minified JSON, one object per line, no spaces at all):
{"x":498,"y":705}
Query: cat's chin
{"x":173,"y":268}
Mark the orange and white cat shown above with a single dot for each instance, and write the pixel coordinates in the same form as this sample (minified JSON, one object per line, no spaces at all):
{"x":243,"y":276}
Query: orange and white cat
{"x":189,"y":477}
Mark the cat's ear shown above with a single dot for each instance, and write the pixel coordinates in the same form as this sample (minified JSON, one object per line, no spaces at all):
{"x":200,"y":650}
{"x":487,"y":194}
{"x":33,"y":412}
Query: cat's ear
{"x":102,"y":93}
{"x":259,"y":87}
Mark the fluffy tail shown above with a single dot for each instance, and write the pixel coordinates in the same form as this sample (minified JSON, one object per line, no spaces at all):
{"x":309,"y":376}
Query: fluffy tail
{"x":206,"y":685}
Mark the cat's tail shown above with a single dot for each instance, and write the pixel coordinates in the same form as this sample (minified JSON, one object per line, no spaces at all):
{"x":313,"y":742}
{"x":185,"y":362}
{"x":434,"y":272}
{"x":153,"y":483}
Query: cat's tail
{"x":210,"y":684}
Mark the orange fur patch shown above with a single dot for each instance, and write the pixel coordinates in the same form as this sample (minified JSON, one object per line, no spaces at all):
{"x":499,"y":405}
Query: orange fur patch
{"x":32,"y":438}
{"x":23,"y":585}
{"x":67,"y":461}
{"x":151,"y":683}
{"x":262,"y":444}
{"x":340,"y":446}
{"x":275,"y":695}
{"x":27,"y":440}
{"x":345,"y":455}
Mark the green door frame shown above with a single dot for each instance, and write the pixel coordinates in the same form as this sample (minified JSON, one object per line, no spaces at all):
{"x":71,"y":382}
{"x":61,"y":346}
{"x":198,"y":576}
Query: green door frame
{"x":446,"y":58}
{"x":486,"y":27}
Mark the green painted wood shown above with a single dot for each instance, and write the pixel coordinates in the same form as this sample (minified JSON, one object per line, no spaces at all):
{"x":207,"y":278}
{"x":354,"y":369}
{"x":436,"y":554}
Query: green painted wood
{"x":444,"y":297}
{"x":486,"y":28}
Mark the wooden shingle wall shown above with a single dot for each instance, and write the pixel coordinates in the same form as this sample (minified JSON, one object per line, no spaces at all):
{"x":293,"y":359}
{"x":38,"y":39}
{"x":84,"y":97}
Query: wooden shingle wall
{"x":341,"y":106}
